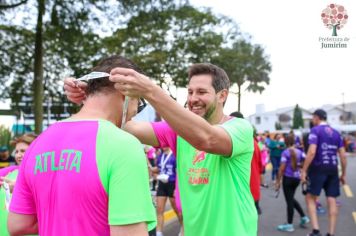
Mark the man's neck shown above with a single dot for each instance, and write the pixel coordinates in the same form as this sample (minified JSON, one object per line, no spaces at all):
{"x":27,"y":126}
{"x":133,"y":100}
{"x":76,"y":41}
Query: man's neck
{"x":101,"y":107}
{"x":218,"y":118}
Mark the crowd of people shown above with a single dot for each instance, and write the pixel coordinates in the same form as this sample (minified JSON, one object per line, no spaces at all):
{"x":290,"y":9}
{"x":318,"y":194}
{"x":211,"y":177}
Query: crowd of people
{"x":90,"y":174}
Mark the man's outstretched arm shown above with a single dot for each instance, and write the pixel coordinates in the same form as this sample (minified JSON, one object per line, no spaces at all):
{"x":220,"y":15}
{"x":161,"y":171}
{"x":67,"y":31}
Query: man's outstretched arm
{"x":143,"y":131}
{"x":193,"y":128}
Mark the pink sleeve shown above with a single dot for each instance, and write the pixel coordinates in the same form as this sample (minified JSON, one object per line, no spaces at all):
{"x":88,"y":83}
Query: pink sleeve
{"x":22,"y":201}
{"x":6,"y":170}
{"x":166,"y":136}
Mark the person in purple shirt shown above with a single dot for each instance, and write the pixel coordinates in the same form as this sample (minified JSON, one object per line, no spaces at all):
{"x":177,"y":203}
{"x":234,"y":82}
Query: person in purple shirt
{"x":321,"y":167}
{"x":166,"y":170}
{"x":291,"y":162}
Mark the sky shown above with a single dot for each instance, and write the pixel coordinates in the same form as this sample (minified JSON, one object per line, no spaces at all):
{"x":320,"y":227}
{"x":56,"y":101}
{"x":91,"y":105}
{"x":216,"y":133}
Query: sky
{"x":289,"y":31}
{"x":302,"y":72}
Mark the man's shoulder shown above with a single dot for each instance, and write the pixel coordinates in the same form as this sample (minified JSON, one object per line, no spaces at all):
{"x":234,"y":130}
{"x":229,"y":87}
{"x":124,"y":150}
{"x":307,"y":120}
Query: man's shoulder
{"x":235,"y":122}
{"x":115,"y":134}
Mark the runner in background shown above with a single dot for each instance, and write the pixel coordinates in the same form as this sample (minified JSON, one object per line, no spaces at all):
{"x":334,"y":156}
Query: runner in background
{"x":265,"y":159}
{"x":151,"y":157}
{"x":276,"y":147}
{"x":289,"y":171}
{"x":5,"y":158}
{"x":321,"y":167}
{"x":166,"y":170}
{"x":9,"y":176}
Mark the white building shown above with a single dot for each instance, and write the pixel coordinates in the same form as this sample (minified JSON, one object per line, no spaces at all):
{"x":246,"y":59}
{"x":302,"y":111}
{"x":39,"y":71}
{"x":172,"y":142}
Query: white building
{"x":283,"y":117}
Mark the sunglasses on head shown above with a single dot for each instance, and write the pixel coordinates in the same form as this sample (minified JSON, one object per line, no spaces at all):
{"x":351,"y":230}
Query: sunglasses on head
{"x":141,"y":105}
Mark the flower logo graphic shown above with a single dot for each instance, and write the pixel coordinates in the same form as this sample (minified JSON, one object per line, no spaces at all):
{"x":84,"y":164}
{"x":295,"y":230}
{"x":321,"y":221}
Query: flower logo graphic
{"x":334,"y":17}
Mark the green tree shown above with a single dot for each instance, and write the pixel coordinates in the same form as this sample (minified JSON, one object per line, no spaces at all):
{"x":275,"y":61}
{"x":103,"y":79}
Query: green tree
{"x":245,"y":63}
{"x":165,"y":39}
{"x":60,"y":41}
{"x":5,"y":136}
{"x":297,"y":118}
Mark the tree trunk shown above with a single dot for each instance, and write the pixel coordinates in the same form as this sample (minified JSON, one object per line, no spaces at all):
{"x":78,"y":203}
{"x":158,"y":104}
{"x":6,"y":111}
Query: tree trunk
{"x":238,"y":98}
{"x":334,"y":30}
{"x":38,"y":69}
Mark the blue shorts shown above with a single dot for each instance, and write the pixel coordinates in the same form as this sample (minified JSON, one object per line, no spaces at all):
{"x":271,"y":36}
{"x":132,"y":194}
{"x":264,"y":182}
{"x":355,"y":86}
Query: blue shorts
{"x":327,"y":181}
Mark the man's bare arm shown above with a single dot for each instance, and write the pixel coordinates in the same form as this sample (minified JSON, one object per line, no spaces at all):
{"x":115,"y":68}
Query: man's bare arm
{"x":20,"y":224}
{"x":139,"y":229}
{"x":143,"y":131}
{"x":308,"y":160}
{"x":193,"y":128}
{"x":343,"y":161}
{"x":310,"y":156}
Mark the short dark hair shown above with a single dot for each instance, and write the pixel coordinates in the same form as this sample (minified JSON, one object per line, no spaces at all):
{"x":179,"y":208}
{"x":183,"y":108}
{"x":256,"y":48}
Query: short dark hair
{"x":106,"y":65}
{"x":237,"y":114}
{"x":220,"y":80}
{"x":321,"y":114}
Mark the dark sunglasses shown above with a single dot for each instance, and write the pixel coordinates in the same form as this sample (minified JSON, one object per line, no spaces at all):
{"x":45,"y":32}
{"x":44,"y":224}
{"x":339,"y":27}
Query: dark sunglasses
{"x":141,"y":105}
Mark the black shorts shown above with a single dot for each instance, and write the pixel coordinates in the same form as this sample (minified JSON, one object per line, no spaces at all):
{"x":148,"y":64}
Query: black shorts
{"x":152,"y":162}
{"x":330,"y":182}
{"x":165,"y":189}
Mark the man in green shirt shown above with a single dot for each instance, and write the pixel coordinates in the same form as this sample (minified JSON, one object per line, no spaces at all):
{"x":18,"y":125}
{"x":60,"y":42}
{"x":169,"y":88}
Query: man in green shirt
{"x":214,"y":151}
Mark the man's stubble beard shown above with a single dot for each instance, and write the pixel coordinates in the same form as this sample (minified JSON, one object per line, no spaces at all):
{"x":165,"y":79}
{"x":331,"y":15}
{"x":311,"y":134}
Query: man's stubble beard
{"x":210,"y":111}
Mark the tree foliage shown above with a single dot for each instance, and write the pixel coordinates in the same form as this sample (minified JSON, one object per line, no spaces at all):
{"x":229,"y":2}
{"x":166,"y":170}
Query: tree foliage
{"x":5,"y":136}
{"x":245,"y":63}
{"x":58,"y":43}
{"x":165,"y":40}
{"x":297,"y":118}
{"x":163,"y":36}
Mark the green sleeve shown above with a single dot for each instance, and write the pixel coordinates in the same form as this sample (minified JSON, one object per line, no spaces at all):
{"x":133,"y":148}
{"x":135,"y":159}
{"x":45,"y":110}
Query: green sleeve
{"x":241,"y":134}
{"x":124,"y":173}
{"x":272,"y":144}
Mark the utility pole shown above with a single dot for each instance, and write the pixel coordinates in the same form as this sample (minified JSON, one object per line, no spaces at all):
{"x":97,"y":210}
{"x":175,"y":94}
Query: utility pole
{"x":343,"y":108}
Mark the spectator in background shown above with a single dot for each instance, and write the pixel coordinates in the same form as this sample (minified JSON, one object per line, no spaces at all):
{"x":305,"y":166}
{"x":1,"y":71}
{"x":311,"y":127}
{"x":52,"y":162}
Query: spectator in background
{"x":151,"y":157}
{"x":256,"y":168}
{"x":264,"y":158}
{"x":5,"y":158}
{"x":298,"y":143}
{"x":166,"y":170}
{"x":267,"y":138}
{"x":276,"y":147}
{"x":8,"y":178}
{"x":321,"y":167}
{"x":291,"y":162}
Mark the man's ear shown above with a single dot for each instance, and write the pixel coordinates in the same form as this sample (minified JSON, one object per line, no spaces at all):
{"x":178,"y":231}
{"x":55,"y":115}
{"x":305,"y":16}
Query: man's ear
{"x":223,"y":95}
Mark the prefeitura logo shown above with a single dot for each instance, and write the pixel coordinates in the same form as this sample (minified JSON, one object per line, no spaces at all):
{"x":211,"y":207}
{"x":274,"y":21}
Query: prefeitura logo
{"x":334,"y":17}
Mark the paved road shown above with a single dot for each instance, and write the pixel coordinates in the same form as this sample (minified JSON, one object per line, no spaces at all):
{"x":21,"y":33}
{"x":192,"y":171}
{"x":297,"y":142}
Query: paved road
{"x":274,"y":211}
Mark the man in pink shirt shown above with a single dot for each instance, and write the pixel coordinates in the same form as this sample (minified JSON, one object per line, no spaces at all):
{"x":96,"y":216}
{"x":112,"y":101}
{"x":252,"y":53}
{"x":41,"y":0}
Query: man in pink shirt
{"x":84,"y":176}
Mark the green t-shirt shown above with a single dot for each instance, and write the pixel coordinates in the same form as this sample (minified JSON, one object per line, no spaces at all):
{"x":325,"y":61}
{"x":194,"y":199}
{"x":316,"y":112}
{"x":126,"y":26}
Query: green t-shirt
{"x":215,"y":190}
{"x":80,"y":176}
{"x":3,"y":211}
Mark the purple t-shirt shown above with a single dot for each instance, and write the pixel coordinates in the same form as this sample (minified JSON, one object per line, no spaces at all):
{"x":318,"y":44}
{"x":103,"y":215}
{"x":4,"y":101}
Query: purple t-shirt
{"x":169,"y":163}
{"x":287,"y":159}
{"x":328,"y":142}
